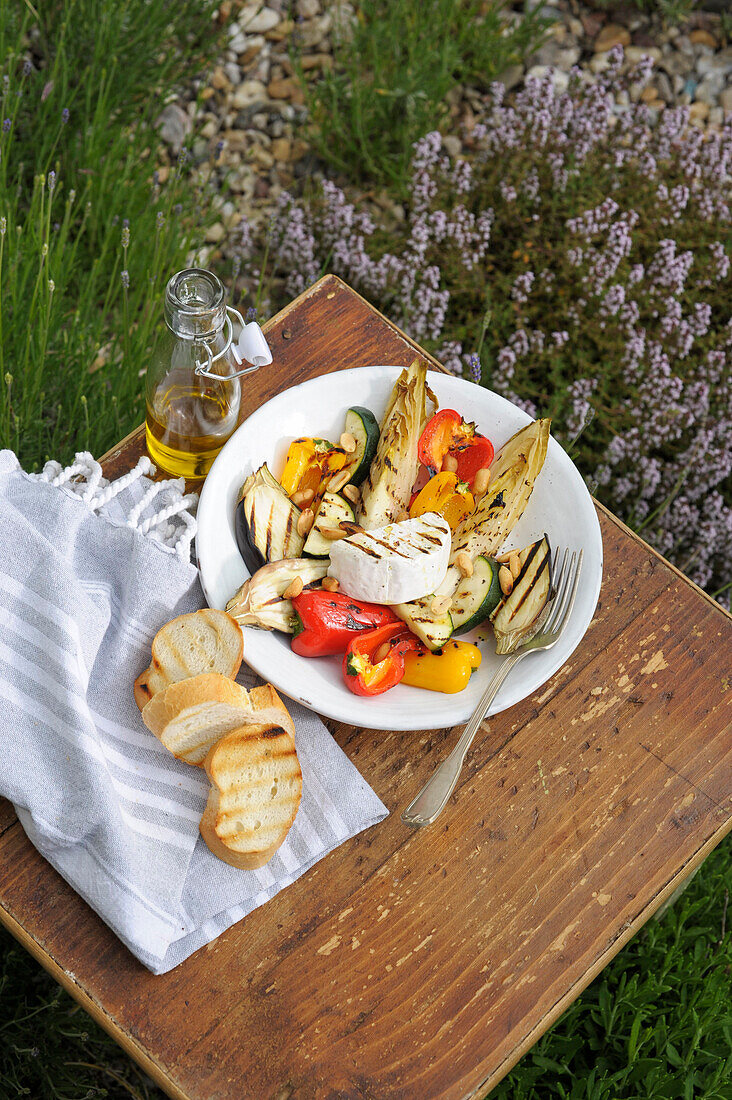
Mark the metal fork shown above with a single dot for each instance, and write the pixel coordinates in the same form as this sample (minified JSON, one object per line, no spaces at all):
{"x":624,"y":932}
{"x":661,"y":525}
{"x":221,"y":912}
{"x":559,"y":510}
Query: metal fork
{"x":433,"y":797}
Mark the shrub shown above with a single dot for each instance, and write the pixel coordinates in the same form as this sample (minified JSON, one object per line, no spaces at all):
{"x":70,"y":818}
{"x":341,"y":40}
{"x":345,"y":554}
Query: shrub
{"x":395,"y":66}
{"x":599,"y":243}
{"x":87,"y":234}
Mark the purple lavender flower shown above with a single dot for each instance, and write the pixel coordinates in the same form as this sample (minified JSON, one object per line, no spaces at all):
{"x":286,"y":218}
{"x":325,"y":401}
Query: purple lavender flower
{"x":7,"y":124}
{"x":65,"y":116}
{"x":251,"y":315}
{"x":125,"y":277}
{"x":51,"y":181}
{"x":475,"y":369}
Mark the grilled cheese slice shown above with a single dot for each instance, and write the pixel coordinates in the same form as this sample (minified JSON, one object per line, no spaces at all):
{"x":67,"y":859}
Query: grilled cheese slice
{"x":393,"y":564}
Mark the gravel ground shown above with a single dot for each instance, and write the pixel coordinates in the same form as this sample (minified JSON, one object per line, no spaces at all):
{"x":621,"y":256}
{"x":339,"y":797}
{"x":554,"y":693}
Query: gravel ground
{"x":249,"y":112}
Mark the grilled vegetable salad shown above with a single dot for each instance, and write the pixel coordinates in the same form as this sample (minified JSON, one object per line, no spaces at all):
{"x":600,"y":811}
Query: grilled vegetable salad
{"x":385,"y":546}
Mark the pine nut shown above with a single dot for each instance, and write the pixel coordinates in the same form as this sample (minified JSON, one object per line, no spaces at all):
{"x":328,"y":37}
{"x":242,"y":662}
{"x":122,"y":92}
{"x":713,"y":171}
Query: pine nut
{"x":303,"y":497}
{"x":381,"y":653}
{"x":348,"y":443}
{"x":514,"y":564}
{"x":402,"y":515}
{"x":330,"y":584}
{"x":441,"y":605}
{"x":450,"y":464}
{"x":293,"y":589}
{"x":352,"y":493}
{"x":339,"y":481}
{"x":480,"y":481}
{"x":504,"y":559}
{"x":305,"y":521}
{"x":505,"y":580}
{"x":333,"y":533}
{"x":464,"y":563}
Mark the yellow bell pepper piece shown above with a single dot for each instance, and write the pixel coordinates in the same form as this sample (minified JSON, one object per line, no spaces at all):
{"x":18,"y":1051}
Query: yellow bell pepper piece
{"x":299,"y":456}
{"x":446,"y":495}
{"x":449,"y":671}
{"x":309,"y":463}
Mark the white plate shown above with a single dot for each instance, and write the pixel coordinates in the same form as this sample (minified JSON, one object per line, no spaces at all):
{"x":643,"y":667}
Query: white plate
{"x":560,"y":506}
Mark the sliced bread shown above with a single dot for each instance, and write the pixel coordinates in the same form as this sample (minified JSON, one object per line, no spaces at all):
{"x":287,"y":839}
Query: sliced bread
{"x":204,"y":641}
{"x":256,"y":784}
{"x":189,"y":717}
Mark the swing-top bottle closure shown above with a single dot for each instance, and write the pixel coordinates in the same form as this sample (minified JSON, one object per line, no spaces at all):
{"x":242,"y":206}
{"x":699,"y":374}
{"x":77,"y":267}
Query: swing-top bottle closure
{"x":195,"y":310}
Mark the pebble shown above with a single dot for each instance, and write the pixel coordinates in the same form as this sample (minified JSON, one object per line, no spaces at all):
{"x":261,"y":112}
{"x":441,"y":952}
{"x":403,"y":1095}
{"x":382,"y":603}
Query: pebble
{"x":215,"y":233}
{"x":710,"y":89}
{"x":175,"y":126}
{"x":249,"y":92}
{"x":612,"y":34}
{"x":699,"y":109}
{"x":254,"y":103}
{"x":703,"y":38}
{"x":260,"y":21}
{"x":452,"y":145}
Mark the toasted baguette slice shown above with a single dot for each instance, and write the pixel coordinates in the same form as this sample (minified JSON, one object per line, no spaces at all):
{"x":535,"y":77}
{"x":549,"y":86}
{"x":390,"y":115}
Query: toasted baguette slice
{"x":256,"y":784}
{"x":204,"y":641}
{"x":190,"y":716}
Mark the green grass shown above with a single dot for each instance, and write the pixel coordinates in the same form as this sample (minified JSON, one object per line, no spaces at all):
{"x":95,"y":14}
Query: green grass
{"x":82,"y":84}
{"x":394,"y":70}
{"x":655,"y":1025}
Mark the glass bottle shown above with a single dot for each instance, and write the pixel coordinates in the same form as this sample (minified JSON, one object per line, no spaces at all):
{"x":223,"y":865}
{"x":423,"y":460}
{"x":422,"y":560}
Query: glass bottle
{"x":193,"y":392}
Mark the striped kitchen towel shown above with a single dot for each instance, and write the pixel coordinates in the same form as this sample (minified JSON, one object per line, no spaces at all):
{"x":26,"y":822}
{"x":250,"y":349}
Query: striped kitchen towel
{"x":89,"y":571}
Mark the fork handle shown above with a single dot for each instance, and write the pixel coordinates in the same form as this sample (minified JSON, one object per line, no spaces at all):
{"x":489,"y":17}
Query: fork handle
{"x":433,"y":797}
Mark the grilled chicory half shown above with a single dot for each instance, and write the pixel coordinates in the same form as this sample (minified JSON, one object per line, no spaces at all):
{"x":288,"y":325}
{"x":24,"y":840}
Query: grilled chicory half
{"x":387,"y":489}
{"x":513,"y":473}
{"x":260,"y":600}
{"x":482,"y":533}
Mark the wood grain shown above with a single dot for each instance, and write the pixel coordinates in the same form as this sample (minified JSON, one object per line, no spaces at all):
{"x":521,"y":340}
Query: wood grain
{"x":424,"y":964}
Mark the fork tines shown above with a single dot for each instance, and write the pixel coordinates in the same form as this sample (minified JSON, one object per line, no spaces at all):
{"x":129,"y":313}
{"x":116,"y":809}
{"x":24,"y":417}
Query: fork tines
{"x":566,"y":581}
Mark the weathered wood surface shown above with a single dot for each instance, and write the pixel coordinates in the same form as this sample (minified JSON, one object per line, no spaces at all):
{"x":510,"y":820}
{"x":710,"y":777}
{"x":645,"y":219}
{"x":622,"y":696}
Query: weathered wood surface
{"x":425,"y":964}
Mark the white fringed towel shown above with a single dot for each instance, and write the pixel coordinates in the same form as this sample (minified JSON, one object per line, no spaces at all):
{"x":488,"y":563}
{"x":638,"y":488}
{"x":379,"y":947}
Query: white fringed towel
{"x":89,"y":571}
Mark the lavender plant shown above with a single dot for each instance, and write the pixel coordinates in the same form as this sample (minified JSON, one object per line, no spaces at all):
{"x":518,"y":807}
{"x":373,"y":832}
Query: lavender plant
{"x":600,"y":241}
{"x":87,"y":234}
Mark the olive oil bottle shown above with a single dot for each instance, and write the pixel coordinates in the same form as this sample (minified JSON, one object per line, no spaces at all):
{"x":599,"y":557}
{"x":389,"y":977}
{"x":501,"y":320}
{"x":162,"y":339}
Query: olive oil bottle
{"x":193,"y":387}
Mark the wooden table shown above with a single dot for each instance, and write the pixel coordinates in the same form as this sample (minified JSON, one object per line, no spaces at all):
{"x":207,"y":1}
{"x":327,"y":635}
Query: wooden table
{"x":425,"y":964}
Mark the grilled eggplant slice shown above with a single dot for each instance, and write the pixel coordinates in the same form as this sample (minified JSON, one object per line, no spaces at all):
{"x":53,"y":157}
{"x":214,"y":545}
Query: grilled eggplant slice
{"x":386,"y":490}
{"x":513,"y":473}
{"x":265,"y":523}
{"x":333,"y":509}
{"x":259,"y":601}
{"x":519,"y":615}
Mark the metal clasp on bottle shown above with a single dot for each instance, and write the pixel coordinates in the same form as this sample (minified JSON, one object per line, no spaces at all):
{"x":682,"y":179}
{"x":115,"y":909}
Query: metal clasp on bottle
{"x":252,"y":346}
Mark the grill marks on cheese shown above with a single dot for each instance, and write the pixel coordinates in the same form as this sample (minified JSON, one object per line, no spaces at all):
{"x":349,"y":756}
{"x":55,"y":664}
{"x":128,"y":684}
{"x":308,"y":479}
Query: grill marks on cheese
{"x":385,"y":564}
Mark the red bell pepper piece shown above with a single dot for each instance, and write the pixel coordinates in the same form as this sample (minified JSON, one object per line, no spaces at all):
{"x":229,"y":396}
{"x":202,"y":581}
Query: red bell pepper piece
{"x":475,"y":457}
{"x":325,"y":622}
{"x":446,"y":433}
{"x":363,"y":674}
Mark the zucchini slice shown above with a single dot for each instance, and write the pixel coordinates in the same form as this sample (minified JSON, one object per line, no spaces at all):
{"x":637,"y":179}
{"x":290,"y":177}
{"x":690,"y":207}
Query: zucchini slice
{"x":333,"y":509}
{"x":364,"y":427}
{"x":265,"y":523}
{"x":476,"y":597}
{"x":517,"y":617}
{"x":433,"y":630}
